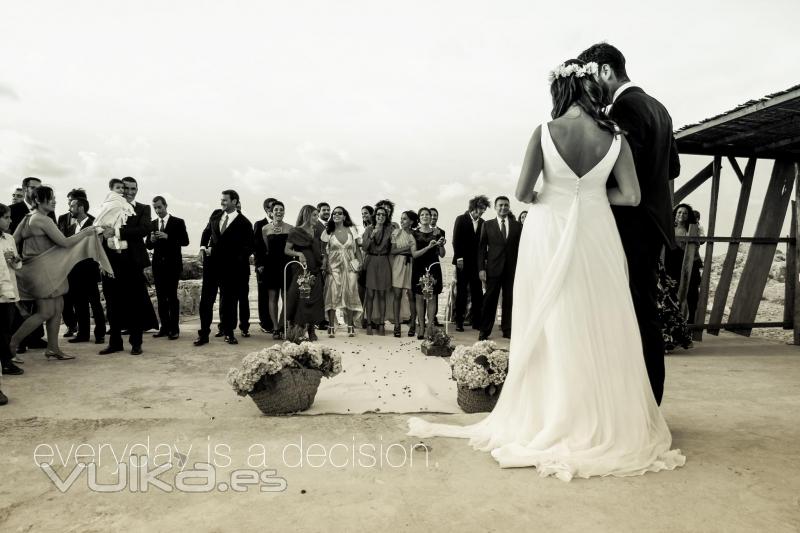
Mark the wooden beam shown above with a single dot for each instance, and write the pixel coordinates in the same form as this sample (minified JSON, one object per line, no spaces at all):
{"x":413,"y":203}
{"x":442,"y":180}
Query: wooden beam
{"x":726,"y":275}
{"x":705,"y":282}
{"x":733,"y":115}
{"x":686,"y":271}
{"x":744,"y":133}
{"x":693,"y":184}
{"x":777,"y":144}
{"x":759,"y":259}
{"x":736,"y":168}
{"x":743,"y":325}
{"x":751,"y":240}
{"x":794,"y":272}
{"x":790,"y":284}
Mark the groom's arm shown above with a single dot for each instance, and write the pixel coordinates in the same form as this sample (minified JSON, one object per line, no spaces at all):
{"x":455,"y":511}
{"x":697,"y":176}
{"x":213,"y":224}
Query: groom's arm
{"x":483,"y":243}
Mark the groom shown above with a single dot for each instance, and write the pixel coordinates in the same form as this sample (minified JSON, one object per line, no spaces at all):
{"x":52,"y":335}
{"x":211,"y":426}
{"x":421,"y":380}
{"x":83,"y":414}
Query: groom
{"x":644,"y":229}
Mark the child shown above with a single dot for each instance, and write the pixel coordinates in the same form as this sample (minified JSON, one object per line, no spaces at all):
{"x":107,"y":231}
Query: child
{"x":114,"y":211}
{"x":8,"y":294}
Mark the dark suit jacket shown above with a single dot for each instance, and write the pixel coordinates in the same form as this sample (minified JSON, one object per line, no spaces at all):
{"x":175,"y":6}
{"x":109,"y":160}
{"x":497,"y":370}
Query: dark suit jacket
{"x":65,"y":221}
{"x":498,"y":256}
{"x":465,"y":241}
{"x":18,"y":212}
{"x":86,"y":270}
{"x":167,"y":255}
{"x":259,"y":246}
{"x":648,"y":128}
{"x":230,"y":251}
{"x":135,"y":230}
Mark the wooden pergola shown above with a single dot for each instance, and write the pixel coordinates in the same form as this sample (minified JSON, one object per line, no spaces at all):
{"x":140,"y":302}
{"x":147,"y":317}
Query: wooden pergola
{"x":768,"y":129}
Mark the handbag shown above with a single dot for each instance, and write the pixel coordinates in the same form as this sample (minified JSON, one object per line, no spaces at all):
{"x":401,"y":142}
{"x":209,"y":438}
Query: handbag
{"x":355,"y":264}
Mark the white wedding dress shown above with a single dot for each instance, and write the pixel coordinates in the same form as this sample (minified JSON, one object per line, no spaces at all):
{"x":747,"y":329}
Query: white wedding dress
{"x":577,"y":401}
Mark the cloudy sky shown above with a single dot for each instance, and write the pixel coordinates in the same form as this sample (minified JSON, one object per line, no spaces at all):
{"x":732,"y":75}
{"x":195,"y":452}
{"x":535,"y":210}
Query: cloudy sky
{"x":424,"y":102}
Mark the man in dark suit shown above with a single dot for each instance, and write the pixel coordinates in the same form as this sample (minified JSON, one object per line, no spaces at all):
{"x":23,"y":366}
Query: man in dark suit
{"x":646,"y":228}
{"x":83,"y":280}
{"x":64,"y":224}
{"x":128,"y":303}
{"x":167,"y":236}
{"x":497,"y":259}
{"x":226,"y":244}
{"x":466,"y":234}
{"x":260,"y":260}
{"x":18,"y":211}
{"x":324,"y":209}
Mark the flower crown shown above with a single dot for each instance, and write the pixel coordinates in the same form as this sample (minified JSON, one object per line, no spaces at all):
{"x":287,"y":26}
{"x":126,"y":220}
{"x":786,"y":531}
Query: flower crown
{"x":564,"y":71}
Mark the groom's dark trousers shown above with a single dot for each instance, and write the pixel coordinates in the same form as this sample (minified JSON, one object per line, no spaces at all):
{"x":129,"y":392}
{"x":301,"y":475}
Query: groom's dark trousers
{"x":646,"y":228}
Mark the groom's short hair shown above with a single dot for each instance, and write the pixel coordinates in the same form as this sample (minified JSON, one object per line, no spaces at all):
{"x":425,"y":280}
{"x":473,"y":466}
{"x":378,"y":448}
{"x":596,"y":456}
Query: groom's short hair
{"x":501,"y":198}
{"x":82,"y":202}
{"x":606,"y":54}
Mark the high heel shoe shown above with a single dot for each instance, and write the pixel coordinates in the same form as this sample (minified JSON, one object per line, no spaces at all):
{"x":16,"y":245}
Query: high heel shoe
{"x":412,"y":330}
{"x":351,"y":331}
{"x":57,"y":355}
{"x":397,"y":330}
{"x":331,"y":332}
{"x":369,"y":328}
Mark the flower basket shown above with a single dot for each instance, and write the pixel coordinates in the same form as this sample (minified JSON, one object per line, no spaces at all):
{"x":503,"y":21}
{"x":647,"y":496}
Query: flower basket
{"x":477,"y":400}
{"x":438,"y":344}
{"x":436,"y":351}
{"x":480,"y":371}
{"x":427,"y":284}
{"x":284,"y":378}
{"x":289,"y":391}
{"x":305,"y":282}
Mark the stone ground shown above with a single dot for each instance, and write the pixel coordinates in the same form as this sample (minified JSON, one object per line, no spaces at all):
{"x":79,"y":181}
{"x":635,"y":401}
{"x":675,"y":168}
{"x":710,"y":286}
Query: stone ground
{"x":733,"y":405}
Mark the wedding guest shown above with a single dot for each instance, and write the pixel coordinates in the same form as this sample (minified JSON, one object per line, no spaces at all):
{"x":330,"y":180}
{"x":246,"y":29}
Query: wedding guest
{"x":47,"y":258}
{"x":497,"y":261}
{"x":324,"y":216}
{"x":700,"y":231}
{"x":684,"y":216}
{"x":167,"y":236}
{"x":343,"y":253}
{"x":303,"y":244}
{"x":64,"y":224}
{"x":377,"y":244}
{"x":466,"y":234}
{"x":17,"y":196}
{"x":27,"y":205}
{"x":9,"y":294}
{"x":522,"y":217}
{"x":402,"y":241}
{"x":367,"y":220}
{"x":211,"y":280}
{"x":83,"y":281}
{"x":127,"y":301}
{"x":274,"y":236}
{"x":428,"y":249}
{"x":231,"y":243}
{"x":18,"y":211}
{"x":389,"y":206}
{"x":434,"y":217}
{"x":260,"y":260}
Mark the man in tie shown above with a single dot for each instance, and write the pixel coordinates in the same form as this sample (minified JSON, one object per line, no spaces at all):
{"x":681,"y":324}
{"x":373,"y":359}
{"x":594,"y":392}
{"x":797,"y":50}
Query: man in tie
{"x":497,"y":260}
{"x":226,"y":247}
{"x":83,"y":280}
{"x":167,"y":236}
{"x":17,"y":196}
{"x":65,"y":223}
{"x":466,"y":234}
{"x":128,"y":303}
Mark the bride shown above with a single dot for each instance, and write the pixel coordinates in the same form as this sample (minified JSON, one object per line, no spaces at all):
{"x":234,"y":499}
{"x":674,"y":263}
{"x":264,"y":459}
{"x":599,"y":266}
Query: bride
{"x":577,"y":400}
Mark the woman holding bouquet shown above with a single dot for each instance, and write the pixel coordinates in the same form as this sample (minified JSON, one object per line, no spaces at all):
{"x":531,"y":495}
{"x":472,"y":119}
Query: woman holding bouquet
{"x":427,"y":249}
{"x":304,"y":305}
{"x":344,"y":262}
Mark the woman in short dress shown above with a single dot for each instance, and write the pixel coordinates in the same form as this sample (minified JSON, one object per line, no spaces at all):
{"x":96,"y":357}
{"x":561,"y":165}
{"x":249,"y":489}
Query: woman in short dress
{"x":377,"y":245}
{"x":428,"y":248}
{"x":342,"y":243}
{"x":303,"y":244}
{"x":275,"y":234}
{"x":402,"y":240}
{"x":47,"y":258}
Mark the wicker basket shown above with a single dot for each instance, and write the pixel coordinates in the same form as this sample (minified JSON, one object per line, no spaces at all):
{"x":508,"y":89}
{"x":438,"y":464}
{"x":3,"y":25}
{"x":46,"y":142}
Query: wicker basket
{"x":289,"y":391}
{"x":437,"y":351}
{"x":477,"y":400}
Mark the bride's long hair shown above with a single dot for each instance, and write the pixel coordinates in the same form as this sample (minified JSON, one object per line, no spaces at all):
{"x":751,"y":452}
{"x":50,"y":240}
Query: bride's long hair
{"x":585,"y":92}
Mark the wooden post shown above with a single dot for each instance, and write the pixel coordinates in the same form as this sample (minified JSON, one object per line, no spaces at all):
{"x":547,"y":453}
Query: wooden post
{"x":686,"y":272}
{"x":688,"y":187}
{"x":705,"y":282}
{"x":790,"y":285}
{"x":794,"y":271}
{"x":725,"y":277}
{"x":759,"y":259}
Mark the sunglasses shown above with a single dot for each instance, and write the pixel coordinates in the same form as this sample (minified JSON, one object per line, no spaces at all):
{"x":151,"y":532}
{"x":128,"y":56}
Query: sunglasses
{"x":339,"y":213}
